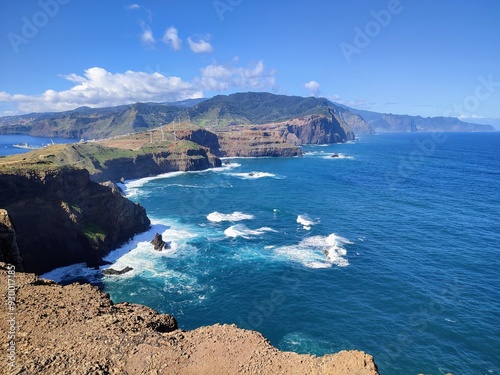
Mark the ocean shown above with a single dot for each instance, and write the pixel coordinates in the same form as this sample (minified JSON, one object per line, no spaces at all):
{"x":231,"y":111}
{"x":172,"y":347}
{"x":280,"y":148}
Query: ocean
{"x":7,"y":143}
{"x":388,"y":245}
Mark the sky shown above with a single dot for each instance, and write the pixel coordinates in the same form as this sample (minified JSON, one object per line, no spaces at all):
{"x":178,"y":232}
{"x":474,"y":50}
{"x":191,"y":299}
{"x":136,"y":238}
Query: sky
{"x":417,"y":57}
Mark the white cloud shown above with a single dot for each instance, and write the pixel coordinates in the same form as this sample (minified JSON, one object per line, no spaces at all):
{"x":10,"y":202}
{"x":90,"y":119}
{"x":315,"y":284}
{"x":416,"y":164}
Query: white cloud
{"x":147,"y":35}
{"x":132,"y":6}
{"x":200,"y":47}
{"x":470,"y":116}
{"x":219,"y":77}
{"x":100,"y":88}
{"x":313,"y":86}
{"x":171,"y":37}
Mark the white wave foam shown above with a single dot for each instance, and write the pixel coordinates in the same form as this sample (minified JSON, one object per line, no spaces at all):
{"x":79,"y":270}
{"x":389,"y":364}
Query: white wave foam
{"x":73,"y":272}
{"x":253,"y":175}
{"x":241,"y":230}
{"x":335,"y":156}
{"x":306,"y":221}
{"x":131,"y":187}
{"x":138,"y":253}
{"x":231,"y":165}
{"x":317,"y":251}
{"x":217,"y":217}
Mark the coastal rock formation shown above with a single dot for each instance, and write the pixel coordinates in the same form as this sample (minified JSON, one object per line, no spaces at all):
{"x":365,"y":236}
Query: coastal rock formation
{"x":194,"y":158}
{"x":62,"y":217}
{"x":255,"y":143}
{"x":9,"y":251}
{"x":76,"y":329}
{"x":158,"y":243}
{"x":319,"y":129}
{"x":113,"y":272}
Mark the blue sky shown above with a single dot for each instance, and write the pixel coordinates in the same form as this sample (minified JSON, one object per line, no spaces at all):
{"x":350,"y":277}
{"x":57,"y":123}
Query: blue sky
{"x":418,"y":57}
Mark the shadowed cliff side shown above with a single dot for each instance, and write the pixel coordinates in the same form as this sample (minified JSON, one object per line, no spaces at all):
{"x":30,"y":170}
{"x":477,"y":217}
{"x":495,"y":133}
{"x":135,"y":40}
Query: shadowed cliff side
{"x":9,"y":251}
{"x":76,"y":329}
{"x":62,"y":217}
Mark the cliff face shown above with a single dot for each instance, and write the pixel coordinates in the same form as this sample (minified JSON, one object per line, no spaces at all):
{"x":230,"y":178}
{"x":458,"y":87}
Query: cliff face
{"x":320,"y":129}
{"x":62,"y":217}
{"x":151,"y":164}
{"x":355,"y":122}
{"x":255,"y":143}
{"x":9,"y":251}
{"x":76,"y":329}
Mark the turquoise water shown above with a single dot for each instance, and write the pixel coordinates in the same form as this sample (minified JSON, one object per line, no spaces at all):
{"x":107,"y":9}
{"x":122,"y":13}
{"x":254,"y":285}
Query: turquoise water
{"x":391,"y":248}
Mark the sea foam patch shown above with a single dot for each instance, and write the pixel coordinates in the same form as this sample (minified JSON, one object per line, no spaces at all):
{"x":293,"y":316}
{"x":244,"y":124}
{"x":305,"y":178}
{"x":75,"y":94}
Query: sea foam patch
{"x":241,"y":230}
{"x":253,"y":175}
{"x":306,"y":221}
{"x":217,"y":217}
{"x":317,"y":251}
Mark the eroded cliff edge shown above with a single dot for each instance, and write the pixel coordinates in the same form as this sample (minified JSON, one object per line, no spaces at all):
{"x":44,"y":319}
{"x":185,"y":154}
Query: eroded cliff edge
{"x":76,"y":329}
{"x":61,"y":217}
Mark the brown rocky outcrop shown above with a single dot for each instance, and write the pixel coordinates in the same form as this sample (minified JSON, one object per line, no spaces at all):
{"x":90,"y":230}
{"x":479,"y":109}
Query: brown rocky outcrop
{"x":62,"y":217}
{"x":76,"y":329}
{"x":255,"y":143}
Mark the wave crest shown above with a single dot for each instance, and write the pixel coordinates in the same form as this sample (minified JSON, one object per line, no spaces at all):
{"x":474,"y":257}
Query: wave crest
{"x":317,"y":251}
{"x":241,"y":230}
{"x":217,"y":217}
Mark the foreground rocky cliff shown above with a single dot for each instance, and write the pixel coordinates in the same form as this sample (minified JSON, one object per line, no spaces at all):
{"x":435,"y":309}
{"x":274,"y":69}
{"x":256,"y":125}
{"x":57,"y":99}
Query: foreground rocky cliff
{"x":61,"y":217}
{"x":76,"y":329}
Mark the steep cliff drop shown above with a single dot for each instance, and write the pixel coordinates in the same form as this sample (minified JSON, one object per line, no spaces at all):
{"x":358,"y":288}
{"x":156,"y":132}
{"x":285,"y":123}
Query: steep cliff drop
{"x":62,"y":217}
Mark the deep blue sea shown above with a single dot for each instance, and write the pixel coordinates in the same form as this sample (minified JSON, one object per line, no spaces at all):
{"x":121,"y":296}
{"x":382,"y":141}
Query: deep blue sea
{"x":391,"y":248}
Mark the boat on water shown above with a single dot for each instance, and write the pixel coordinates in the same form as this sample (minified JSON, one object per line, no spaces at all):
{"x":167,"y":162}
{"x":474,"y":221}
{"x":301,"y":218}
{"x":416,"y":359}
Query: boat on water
{"x":26,"y":146}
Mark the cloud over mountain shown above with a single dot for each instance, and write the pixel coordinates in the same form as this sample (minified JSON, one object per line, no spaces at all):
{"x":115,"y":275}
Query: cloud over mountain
{"x":98,"y":87}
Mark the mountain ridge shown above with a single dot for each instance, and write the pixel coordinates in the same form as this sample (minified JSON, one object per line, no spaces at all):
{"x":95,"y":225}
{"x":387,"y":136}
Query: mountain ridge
{"x":221,"y":112}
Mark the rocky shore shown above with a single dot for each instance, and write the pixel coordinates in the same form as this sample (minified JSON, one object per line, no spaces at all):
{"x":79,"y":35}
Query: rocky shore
{"x":76,"y":329}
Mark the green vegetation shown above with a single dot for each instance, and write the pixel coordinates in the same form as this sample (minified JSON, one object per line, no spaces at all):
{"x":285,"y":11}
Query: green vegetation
{"x":94,"y":233}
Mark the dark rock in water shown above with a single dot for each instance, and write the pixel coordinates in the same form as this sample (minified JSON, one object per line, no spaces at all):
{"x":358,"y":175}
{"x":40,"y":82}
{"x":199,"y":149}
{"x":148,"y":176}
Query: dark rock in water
{"x":111,"y":271}
{"x":335,"y":155}
{"x":158,"y":243}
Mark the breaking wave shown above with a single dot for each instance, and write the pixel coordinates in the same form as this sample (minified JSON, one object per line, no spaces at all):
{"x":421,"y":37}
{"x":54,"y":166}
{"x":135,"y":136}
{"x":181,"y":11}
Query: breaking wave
{"x":217,"y":217}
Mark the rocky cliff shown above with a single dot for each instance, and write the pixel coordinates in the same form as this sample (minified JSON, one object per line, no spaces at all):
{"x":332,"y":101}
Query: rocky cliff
{"x":61,"y":217}
{"x":76,"y":329}
{"x":9,"y":251}
{"x":319,"y":129}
